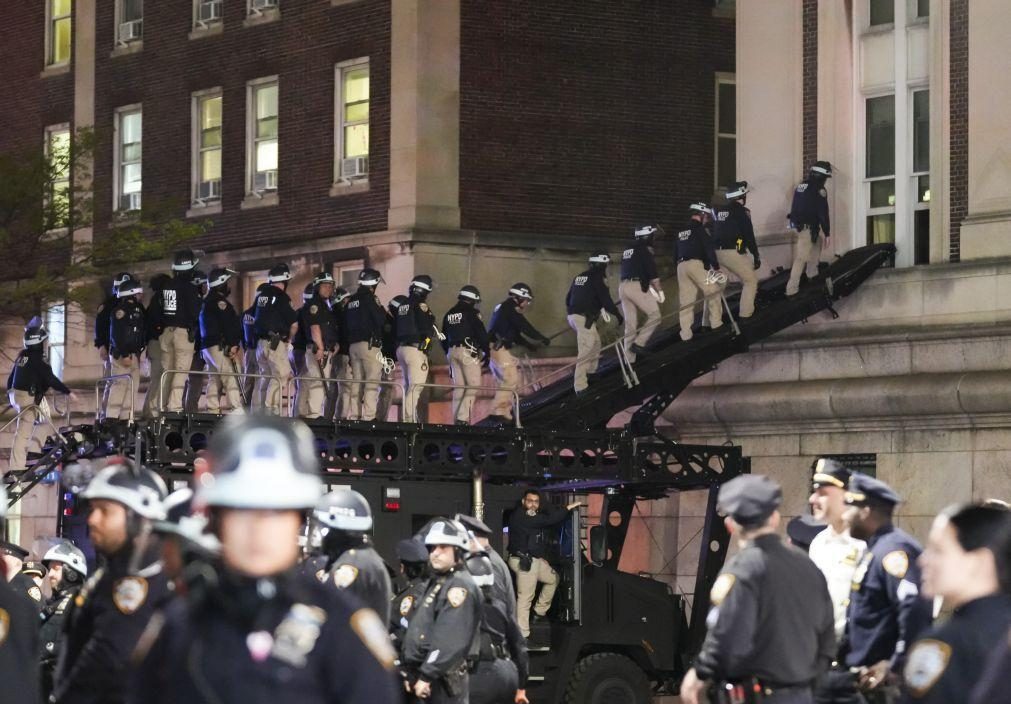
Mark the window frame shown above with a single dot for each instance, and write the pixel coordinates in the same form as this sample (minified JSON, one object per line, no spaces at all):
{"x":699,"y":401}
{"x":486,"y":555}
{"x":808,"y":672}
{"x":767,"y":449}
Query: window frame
{"x":199,"y":24}
{"x":722,"y":77}
{"x":868,"y":181}
{"x":262,"y":11}
{"x":49,"y":131}
{"x":55,"y":343}
{"x":51,"y":21}
{"x":120,"y":21}
{"x":197,"y":149}
{"x":251,"y":139}
{"x":118,"y":163}
{"x":348,"y":265}
{"x":340,"y":70}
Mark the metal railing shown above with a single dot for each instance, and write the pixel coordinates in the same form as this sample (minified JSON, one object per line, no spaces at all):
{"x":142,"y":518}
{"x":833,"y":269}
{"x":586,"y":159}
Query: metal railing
{"x":237,"y":375}
{"x":338,"y":380}
{"x":105,"y":383}
{"x":465,"y":387}
{"x":43,"y":417}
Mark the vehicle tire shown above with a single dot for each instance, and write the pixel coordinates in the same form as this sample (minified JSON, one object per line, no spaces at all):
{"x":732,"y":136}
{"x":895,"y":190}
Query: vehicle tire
{"x":608,"y":678}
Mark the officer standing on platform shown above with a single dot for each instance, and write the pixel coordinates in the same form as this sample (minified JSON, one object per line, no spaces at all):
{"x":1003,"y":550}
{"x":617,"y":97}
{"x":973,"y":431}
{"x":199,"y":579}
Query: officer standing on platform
{"x":588,"y":299}
{"x":415,"y":330}
{"x":179,"y":312}
{"x":68,"y":569}
{"x":413,"y":558}
{"x":275,"y":322}
{"x":345,"y":519}
{"x":696,"y":262}
{"x":250,"y":386}
{"x":388,"y":356}
{"x":809,"y":219}
{"x":195,"y":382}
{"x":886,"y":612}
{"x":220,"y":336}
{"x":154,"y":325}
{"x":365,"y":319}
{"x":321,"y":343}
{"x":19,"y":646}
{"x":770,"y":622}
{"x":443,"y":634}
{"x":102,"y":318}
{"x":338,"y":396}
{"x":735,"y":241}
{"x":127,"y":339}
{"x":640,"y":291}
{"x":299,"y":343}
{"x":467,"y":348}
{"x":509,"y":326}
{"x":29,"y":380}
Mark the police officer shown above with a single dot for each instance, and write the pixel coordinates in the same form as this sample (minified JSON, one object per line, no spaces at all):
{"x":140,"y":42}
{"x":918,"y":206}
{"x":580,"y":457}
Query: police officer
{"x":886,"y":612}
{"x":34,"y":571}
{"x":154,"y":324}
{"x":179,"y":312}
{"x":14,"y":559}
{"x":250,"y":387}
{"x":413,"y":556}
{"x":640,"y":291}
{"x":415,"y":330}
{"x":338,"y":396}
{"x":321,"y":342}
{"x":588,"y":299}
{"x":282,"y":634}
{"x":127,"y":339}
{"x":503,"y":587}
{"x":509,"y":326}
{"x":345,"y":520}
{"x":102,"y":318}
{"x":500,"y":675}
{"x":185,"y":542}
{"x":960,"y":565}
{"x":735,"y":241}
{"x":387,"y":355}
{"x":809,"y":219}
{"x":467,"y":348}
{"x":220,"y":336}
{"x":697,"y":264}
{"x":29,"y":380}
{"x":770,"y":623}
{"x":195,"y":382}
{"x":19,"y":637}
{"x":275,"y":322}
{"x":298,"y":360}
{"x":114,"y":606}
{"x":67,"y":570}
{"x":365,"y":318}
{"x":443,"y":634}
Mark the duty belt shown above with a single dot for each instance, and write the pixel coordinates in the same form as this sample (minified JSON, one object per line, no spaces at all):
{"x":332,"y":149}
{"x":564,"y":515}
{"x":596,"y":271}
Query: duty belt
{"x":633,"y":278}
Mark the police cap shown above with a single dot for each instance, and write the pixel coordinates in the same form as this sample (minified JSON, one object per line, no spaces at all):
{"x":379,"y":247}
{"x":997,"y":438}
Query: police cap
{"x":474,"y":525}
{"x":412,"y":550}
{"x":750,"y":499}
{"x":34,"y":569}
{"x":829,"y":472}
{"x":865,"y":490}
{"x":13,"y":549}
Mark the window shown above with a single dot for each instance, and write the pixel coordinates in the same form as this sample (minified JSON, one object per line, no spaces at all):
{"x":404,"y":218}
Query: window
{"x":882,"y":12}
{"x":921,"y":9}
{"x":880,"y":168}
{"x":58,"y":32}
{"x":57,"y":197}
{"x":128,"y":154}
{"x":207,"y":147}
{"x":257,"y":7}
{"x":206,"y":13}
{"x":346,"y":274}
{"x":921,"y":176}
{"x":262,"y":136}
{"x":725,"y":172}
{"x":130,"y":27}
{"x":56,"y":324}
{"x":352,"y":140}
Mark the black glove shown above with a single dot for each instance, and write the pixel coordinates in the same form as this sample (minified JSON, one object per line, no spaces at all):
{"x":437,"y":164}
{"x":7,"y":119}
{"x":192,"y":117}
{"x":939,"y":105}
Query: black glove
{"x":644,"y":285}
{"x":589,"y":323}
{"x":758,"y":263}
{"x":545,"y":341}
{"x":621,"y":319}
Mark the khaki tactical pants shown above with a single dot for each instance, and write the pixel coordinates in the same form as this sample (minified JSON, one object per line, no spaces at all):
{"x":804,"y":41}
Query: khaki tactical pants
{"x":465,"y":368}
{"x":634,"y":301}
{"x":150,"y":409}
{"x":25,"y":427}
{"x":743,"y":267}
{"x":103,"y":400}
{"x":365,"y":367}
{"x":587,"y":350}
{"x":249,"y":385}
{"x":526,"y":585}
{"x":338,"y":396}
{"x":310,"y":394}
{"x":505,"y":368}
{"x":176,"y":353}
{"x":273,"y":363}
{"x":119,"y":401}
{"x":692,"y":283}
{"x":195,"y":387}
{"x":805,"y":252}
{"x":218,"y":361}
{"x":414,"y":362}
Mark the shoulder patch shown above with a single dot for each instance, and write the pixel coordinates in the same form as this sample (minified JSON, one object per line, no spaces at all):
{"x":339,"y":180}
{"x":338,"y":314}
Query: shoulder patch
{"x":456,"y":596}
{"x":314,"y":309}
{"x":222,"y":305}
{"x":345,"y":575}
{"x":823,"y":193}
{"x":35,"y":593}
{"x":5,"y":625}
{"x":927,"y":662}
{"x":371,"y":631}
{"x":405,"y":605}
{"x":721,"y":588}
{"x":120,"y":314}
{"x":321,"y":575}
{"x":423,"y":306}
{"x":129,"y":594}
{"x":896,"y":563}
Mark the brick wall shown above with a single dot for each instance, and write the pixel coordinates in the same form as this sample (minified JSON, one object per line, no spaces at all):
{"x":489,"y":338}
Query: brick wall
{"x":301,"y":48}
{"x":810,"y":105}
{"x":587,"y":118}
{"x":959,"y":122}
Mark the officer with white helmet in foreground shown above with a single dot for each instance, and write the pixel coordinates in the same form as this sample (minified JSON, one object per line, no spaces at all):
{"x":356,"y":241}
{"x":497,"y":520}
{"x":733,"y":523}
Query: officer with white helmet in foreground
{"x":19,"y":638}
{"x":67,"y":570}
{"x":281,"y":633}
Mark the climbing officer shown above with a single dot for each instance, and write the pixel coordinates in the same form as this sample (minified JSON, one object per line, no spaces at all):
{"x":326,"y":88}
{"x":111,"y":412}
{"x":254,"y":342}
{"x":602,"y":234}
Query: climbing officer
{"x":415,"y":330}
{"x":365,"y":318}
{"x":443,"y":633}
{"x":67,"y":570}
{"x":736,"y":248}
{"x":345,"y":520}
{"x":809,"y":219}
{"x":509,"y":326}
{"x":220,"y":337}
{"x":19,"y":646}
{"x":338,"y":396}
{"x":467,"y":348}
{"x":640,"y":291}
{"x":179,"y":312}
{"x":102,"y":334}
{"x":587,"y":300}
{"x":29,"y":380}
{"x":275,"y":322}
{"x":698,"y":272}
{"x":127,"y":339}
{"x":770,"y":621}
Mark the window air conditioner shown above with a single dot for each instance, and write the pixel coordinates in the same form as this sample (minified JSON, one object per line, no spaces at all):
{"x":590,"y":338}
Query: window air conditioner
{"x":210,"y":11}
{"x":129,"y":201}
{"x":256,"y":7}
{"x":265,"y":181}
{"x":130,"y":31}
{"x":209,"y":190}
{"x":355,"y":167}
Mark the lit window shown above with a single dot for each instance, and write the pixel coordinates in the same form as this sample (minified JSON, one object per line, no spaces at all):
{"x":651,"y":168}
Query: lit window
{"x":60,"y":32}
{"x":130,"y":25}
{"x":57,"y":197}
{"x":352,"y":140}
{"x":262,"y":136}
{"x":207,"y":147}
{"x":725,"y":172}
{"x":921,"y":176}
{"x":880,"y":168}
{"x":881,"y":12}
{"x":56,"y":325}
{"x":128,"y":159}
{"x":346,"y":274}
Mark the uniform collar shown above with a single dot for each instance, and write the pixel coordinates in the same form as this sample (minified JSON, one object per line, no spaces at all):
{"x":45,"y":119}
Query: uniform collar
{"x":881,"y":532}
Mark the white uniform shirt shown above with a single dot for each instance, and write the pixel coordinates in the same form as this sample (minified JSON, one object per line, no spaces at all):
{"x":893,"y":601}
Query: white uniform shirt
{"x":837,"y":556}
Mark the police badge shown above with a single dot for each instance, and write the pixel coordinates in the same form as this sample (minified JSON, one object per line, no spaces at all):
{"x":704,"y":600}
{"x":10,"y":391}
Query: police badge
{"x":345,"y":575}
{"x":456,"y":596}
{"x":129,"y":594}
{"x":405,"y":605}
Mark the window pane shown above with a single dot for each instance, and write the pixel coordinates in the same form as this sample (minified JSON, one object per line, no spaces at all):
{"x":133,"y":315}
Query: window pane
{"x":356,"y":112}
{"x":882,"y":11}
{"x":728,"y":108}
{"x":923,"y":189}
{"x":59,"y":153}
{"x":266,"y":155}
{"x":131,"y":152}
{"x":881,"y":136}
{"x":356,"y":85}
{"x":61,"y":41}
{"x":210,"y":112}
{"x":921,"y":236}
{"x":210,"y":138}
{"x":726,"y":161}
{"x":133,"y":10}
{"x":883,"y":193}
{"x":921,"y":130}
{"x":881,"y":229}
{"x":266,"y":101}
{"x":266,"y":128}
{"x":356,"y":140}
{"x":130,"y":127}
{"x":923,"y":8}
{"x":61,"y":8}
{"x":210,"y":165}
{"x":131,"y":179}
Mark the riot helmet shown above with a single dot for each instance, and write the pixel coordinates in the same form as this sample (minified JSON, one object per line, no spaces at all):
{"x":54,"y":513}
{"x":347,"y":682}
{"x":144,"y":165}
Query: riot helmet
{"x":184,"y":260}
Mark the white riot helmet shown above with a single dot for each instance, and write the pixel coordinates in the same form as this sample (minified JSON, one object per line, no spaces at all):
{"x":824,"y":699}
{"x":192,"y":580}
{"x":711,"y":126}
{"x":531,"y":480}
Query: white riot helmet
{"x":646,"y":231}
{"x":699,"y":207}
{"x":69,"y":554}
{"x":521,"y":290}
{"x":480,"y":568}
{"x":139,"y":490}
{"x":447,"y":532}
{"x":737,"y":190}
{"x":344,"y":509}
{"x":600,"y":258}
